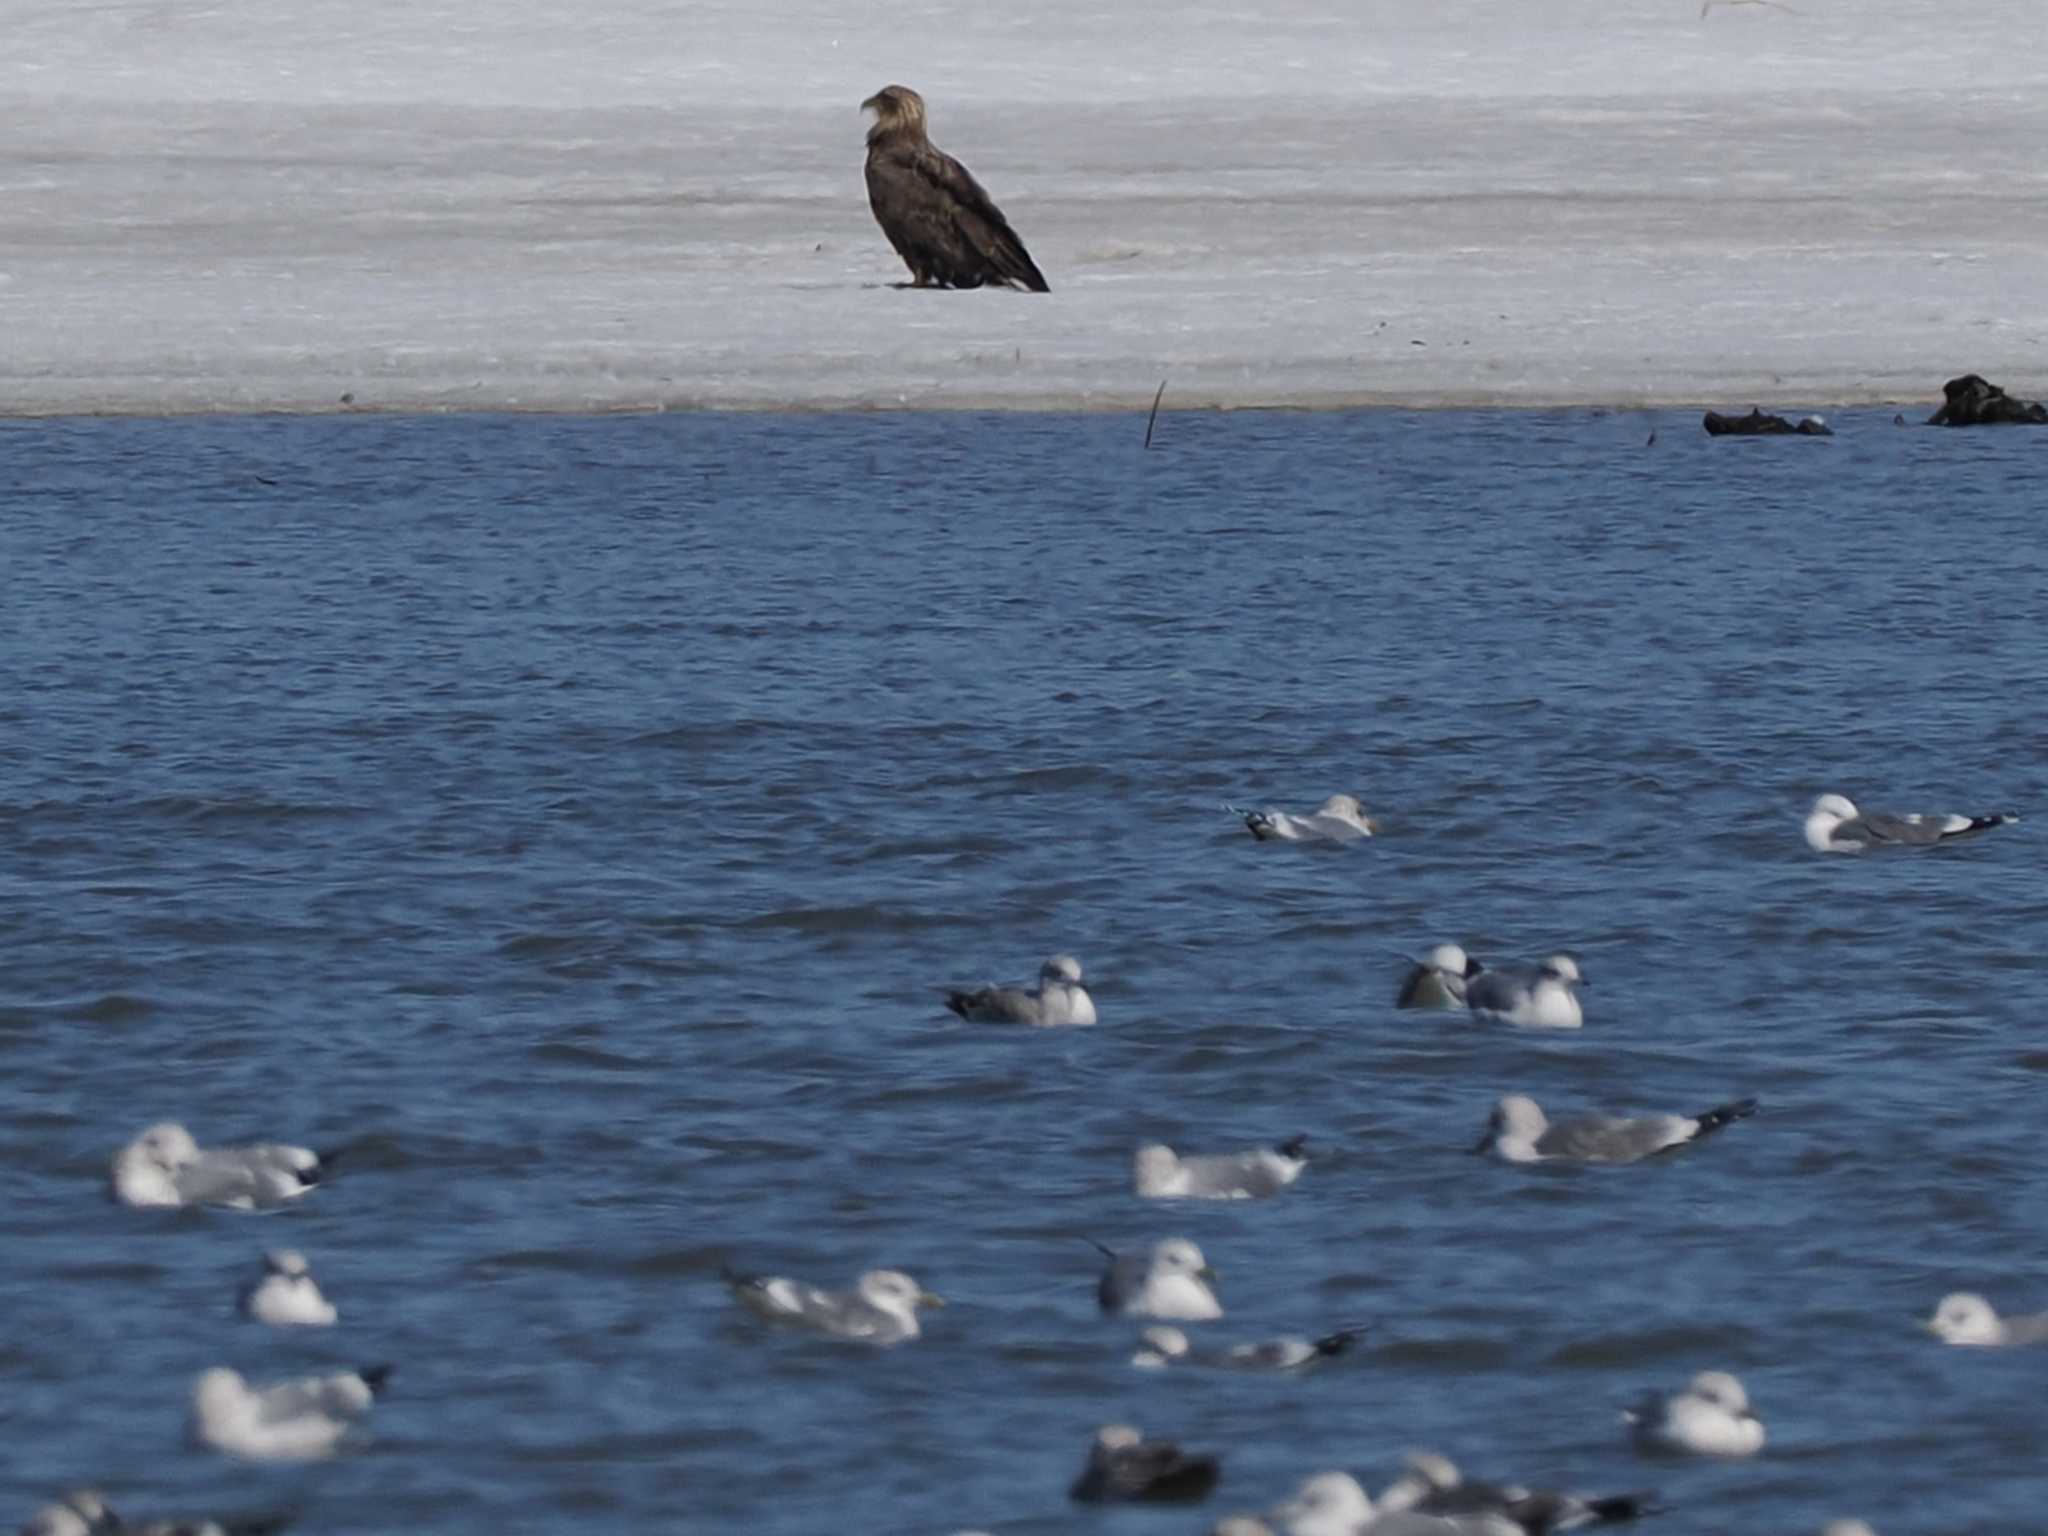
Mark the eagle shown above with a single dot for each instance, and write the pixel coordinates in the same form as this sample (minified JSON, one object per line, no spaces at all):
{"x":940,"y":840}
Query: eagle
{"x":944,"y":226}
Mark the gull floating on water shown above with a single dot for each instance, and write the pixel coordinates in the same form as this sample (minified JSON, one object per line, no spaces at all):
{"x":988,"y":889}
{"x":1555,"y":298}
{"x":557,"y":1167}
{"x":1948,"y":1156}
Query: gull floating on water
{"x":1164,"y":1345}
{"x":1966,"y":1318}
{"x":84,"y":1513}
{"x":1846,"y":1528}
{"x":287,"y":1296}
{"x":1834,"y":825}
{"x":1433,"y":1486}
{"x":1540,"y":997}
{"x":1519,"y":1132}
{"x":1058,"y":999}
{"x":880,"y":1309}
{"x":1439,"y":979}
{"x":1711,"y":1417}
{"x":291,"y":1421}
{"x":164,"y":1166}
{"x":1158,"y":1173}
{"x":1172,"y":1282}
{"x":1123,"y":1464}
{"x":1340,"y":820}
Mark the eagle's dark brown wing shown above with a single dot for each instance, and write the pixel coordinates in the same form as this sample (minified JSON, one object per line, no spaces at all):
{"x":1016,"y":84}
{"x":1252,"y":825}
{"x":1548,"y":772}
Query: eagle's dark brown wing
{"x":944,"y":226}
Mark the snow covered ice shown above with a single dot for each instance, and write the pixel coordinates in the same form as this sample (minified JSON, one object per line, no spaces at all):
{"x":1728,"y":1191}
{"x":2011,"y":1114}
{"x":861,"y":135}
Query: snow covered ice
{"x":441,"y":203}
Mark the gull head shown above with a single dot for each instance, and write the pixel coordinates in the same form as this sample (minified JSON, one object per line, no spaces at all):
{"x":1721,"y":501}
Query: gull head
{"x":288,"y":1262}
{"x":1722,"y":1390}
{"x":1117,"y":1437}
{"x":169,"y":1146}
{"x":1563,"y":968}
{"x":1178,"y":1256}
{"x":1515,"y":1118}
{"x":1154,"y":1167}
{"x":1347,"y":808}
{"x":1061,"y":970}
{"x":1328,"y":1504}
{"x":1965,"y":1318}
{"x":1169,"y":1343}
{"x":895,"y":1292}
{"x":1828,"y":813}
{"x":1452,"y":960}
{"x":219,"y":1395}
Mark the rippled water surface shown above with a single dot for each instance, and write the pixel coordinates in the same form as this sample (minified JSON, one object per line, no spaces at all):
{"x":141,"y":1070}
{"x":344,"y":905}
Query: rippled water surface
{"x":576,"y":820}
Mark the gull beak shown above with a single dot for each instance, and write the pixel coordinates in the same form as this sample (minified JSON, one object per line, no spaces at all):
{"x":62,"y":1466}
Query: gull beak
{"x":931,"y":1299}
{"x":1208,"y":1272}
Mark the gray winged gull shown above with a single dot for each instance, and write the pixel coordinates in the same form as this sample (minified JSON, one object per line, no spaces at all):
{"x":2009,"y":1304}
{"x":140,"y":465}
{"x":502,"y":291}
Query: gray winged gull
{"x":1966,"y":1318}
{"x":287,"y":1296}
{"x":1432,"y":1485}
{"x":1159,"y":1173}
{"x":1519,"y":1132}
{"x":164,"y":1166}
{"x":1711,"y":1417}
{"x":1058,"y":999}
{"x":1539,"y":997}
{"x":298,"y":1420}
{"x":880,"y":1309}
{"x":1834,"y":825}
{"x":1341,"y":819}
{"x":1172,"y":1282}
{"x":1164,"y":1345}
{"x":82,"y":1512}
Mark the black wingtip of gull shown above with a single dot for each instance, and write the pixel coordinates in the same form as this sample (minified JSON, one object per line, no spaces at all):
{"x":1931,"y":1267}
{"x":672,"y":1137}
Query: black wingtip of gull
{"x":1336,"y":1343}
{"x":374,"y":1377}
{"x":256,"y":1525}
{"x":1726,"y":1114}
{"x":1624,"y":1506}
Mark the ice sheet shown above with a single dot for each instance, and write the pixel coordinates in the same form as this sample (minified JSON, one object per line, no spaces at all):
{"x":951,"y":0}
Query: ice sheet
{"x":623,"y":204}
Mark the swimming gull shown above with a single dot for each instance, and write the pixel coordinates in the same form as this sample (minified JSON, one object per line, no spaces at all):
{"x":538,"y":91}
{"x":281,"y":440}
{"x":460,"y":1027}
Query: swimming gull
{"x":1519,"y":1132}
{"x":1540,"y":997}
{"x":1240,"y":1525}
{"x":287,"y":1296}
{"x":1340,"y":820}
{"x":1171,"y":1282}
{"x":164,"y":1166}
{"x":83,"y":1512}
{"x":1711,"y":1417}
{"x":1834,"y":825}
{"x":1123,"y":1464}
{"x":1966,"y":1318}
{"x":1432,"y":1485}
{"x":880,"y":1309}
{"x":1439,"y":979}
{"x":1158,"y":1173}
{"x":1164,"y":1345}
{"x":291,"y":1421}
{"x":1847,"y":1528}
{"x":1058,"y":999}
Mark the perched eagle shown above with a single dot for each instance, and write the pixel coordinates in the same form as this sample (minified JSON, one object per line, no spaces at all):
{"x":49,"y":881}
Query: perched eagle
{"x":936,"y":215}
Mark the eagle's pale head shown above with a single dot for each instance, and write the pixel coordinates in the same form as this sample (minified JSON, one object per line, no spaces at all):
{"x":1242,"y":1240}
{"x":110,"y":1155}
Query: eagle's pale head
{"x":897,"y":108}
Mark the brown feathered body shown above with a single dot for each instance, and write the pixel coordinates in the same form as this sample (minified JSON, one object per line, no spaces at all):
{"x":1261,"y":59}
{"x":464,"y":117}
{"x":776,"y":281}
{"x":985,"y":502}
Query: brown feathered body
{"x":945,"y":227}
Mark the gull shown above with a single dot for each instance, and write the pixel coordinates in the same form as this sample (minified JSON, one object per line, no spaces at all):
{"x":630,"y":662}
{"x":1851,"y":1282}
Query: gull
{"x":1158,"y":1173}
{"x":880,"y":1309}
{"x":1519,"y":1132}
{"x":1123,"y":1464}
{"x":1172,"y":1282}
{"x":164,"y":1166}
{"x":1711,"y":1417}
{"x":1540,"y":996}
{"x":1340,"y":820}
{"x":292,"y":1421}
{"x":287,"y":1296}
{"x":1059,"y":999}
{"x":1432,"y":1485}
{"x":1164,"y":1345}
{"x":1834,"y":825}
{"x":83,"y":1512}
{"x":1439,"y":979}
{"x":1846,"y":1528}
{"x":1966,"y":1318}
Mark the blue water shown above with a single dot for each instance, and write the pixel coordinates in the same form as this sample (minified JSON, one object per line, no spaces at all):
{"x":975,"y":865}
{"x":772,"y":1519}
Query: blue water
{"x":575,"y":819}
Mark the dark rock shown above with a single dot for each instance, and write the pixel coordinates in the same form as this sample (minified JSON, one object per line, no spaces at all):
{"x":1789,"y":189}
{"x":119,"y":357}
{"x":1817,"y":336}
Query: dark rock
{"x":1973,"y":402}
{"x":1757,"y":424}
